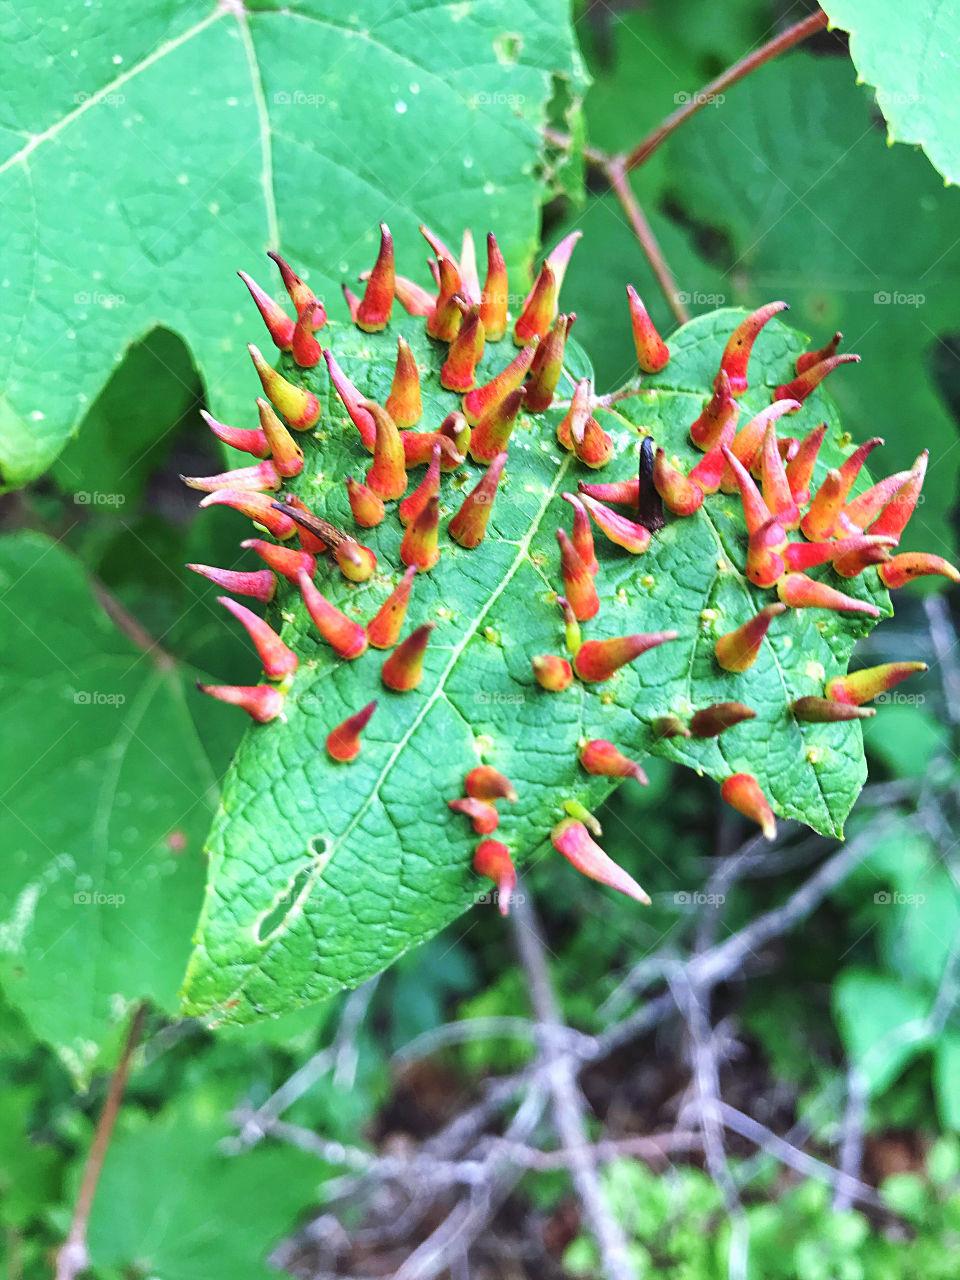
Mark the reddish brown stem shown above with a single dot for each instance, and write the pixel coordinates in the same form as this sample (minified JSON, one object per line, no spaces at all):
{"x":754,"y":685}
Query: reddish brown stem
{"x":616,"y":175}
{"x":73,"y":1258}
{"x":785,"y":40}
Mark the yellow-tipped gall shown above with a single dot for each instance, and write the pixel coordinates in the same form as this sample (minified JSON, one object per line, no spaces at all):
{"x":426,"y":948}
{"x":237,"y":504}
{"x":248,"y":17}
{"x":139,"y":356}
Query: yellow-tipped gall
{"x":552,"y":673}
{"x":367,"y":506}
{"x":742,"y":792}
{"x":300,"y":407}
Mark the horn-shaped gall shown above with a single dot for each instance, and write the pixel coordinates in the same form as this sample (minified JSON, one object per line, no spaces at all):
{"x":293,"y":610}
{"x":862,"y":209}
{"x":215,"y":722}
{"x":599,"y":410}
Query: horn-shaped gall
{"x":652,"y":352}
{"x":495,"y":296}
{"x":279,"y":325}
{"x":598,"y":660}
{"x":262,"y":702}
{"x":720,"y":411}
{"x":300,"y":407}
{"x":813,"y":710}
{"x":578,"y":585}
{"x":551,"y":672}
{"x":443,"y":322}
{"x":742,"y":792}
{"x":283,"y":560}
{"x":419,"y":546}
{"x":404,"y":404}
{"x":486,"y":783}
{"x":630,"y":535}
{"x":247,"y":441}
{"x":491,"y":858}
{"x":383,"y":629}
{"x":277,"y":658}
{"x":736,"y":354}
{"x":258,"y":507}
{"x":539,"y":309}
{"x":868,"y":683}
{"x":477,"y":403}
{"x":285,"y":454}
{"x":428,"y":488}
{"x":253,"y":479}
{"x":367,"y":507}
{"x":572,"y":839}
{"x":357,"y":563}
{"x":387,"y":475}
{"x":353,"y":402}
{"x":483,"y":816}
{"x":801,"y":465}
{"x":403,"y":670}
{"x":492,"y":433}
{"x":346,"y":637}
{"x":458,"y":371}
{"x":797,"y":591}
{"x":343,"y":742}
{"x":680,"y":495}
{"x":909,"y":565}
{"x":738,"y":650}
{"x":582,"y":535}
{"x":469,"y":525}
{"x":710,"y":722}
{"x":804,"y":383}
{"x":809,"y":358}
{"x":548,"y":365}
{"x":373,"y":313}
{"x":602,"y":758}
{"x":259,"y":584}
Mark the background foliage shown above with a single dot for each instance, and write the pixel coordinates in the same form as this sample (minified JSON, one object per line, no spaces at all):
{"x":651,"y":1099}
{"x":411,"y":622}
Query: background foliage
{"x":142,"y":193}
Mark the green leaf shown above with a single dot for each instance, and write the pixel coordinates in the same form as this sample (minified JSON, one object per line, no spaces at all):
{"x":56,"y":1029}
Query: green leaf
{"x":946,"y":1077}
{"x":190,"y":1211}
{"x":106,"y":795}
{"x":909,"y":53}
{"x":322,"y":873}
{"x":881,"y":1022}
{"x":187,"y":140}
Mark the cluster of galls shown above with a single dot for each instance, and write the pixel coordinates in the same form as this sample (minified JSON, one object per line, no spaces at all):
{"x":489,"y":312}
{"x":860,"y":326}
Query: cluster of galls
{"x":772,"y":476}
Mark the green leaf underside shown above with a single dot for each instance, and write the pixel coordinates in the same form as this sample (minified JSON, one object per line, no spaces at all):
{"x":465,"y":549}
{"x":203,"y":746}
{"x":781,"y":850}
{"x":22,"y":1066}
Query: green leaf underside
{"x":322,"y":873}
{"x":910,"y":53}
{"x":189,"y":138}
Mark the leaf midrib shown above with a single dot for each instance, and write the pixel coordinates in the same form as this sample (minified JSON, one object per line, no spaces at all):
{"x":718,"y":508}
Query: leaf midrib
{"x":438,"y":692}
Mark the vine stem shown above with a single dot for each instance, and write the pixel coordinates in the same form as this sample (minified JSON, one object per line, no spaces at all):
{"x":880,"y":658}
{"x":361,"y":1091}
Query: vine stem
{"x":73,"y":1257}
{"x":616,"y":168}
{"x":785,"y":40}
{"x":615,"y":172}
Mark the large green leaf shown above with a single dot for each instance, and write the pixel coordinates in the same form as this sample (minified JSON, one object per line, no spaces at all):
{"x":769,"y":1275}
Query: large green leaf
{"x":323,"y":873}
{"x":106,"y":794}
{"x":911,"y":54}
{"x":190,"y":1211}
{"x":183,"y":136}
